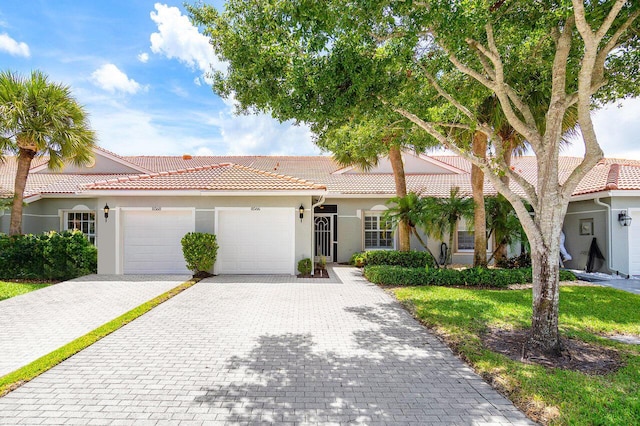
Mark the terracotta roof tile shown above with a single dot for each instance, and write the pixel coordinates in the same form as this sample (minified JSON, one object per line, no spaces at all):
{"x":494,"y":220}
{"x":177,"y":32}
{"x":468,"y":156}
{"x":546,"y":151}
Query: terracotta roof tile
{"x":290,"y":172}
{"x":218,"y":177}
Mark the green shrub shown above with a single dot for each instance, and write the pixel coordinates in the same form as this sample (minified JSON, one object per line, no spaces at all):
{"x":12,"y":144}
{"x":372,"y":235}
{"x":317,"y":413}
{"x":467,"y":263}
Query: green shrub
{"x":358,"y":259}
{"x":304,"y":266}
{"x":408,"y":259}
{"x":199,"y":250}
{"x":397,"y":275}
{"x":48,"y":256}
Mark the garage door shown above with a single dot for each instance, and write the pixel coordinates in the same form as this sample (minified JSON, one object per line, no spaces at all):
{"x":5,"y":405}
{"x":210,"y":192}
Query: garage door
{"x":255,"y":241}
{"x":634,"y":243}
{"x":152,"y":241}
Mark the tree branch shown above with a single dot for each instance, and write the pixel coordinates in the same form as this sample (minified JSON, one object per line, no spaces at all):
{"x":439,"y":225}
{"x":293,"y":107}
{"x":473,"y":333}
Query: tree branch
{"x":529,"y":190}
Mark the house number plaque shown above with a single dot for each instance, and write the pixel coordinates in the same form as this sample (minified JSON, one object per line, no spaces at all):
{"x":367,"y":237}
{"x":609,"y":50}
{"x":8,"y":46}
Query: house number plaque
{"x":156,"y":209}
{"x":255,"y":209}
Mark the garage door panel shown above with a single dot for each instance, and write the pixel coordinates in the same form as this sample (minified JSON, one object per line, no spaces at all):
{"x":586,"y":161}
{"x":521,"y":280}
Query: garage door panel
{"x":255,"y":242}
{"x":151,"y":241}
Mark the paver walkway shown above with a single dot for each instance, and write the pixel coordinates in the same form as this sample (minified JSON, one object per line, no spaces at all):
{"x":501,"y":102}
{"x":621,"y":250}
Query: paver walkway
{"x":36,"y":323}
{"x":241,"y":349}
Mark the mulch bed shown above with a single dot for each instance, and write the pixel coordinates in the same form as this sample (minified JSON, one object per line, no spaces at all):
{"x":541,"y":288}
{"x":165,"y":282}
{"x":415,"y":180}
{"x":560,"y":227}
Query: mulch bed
{"x":576,"y":355}
{"x":318,"y":273}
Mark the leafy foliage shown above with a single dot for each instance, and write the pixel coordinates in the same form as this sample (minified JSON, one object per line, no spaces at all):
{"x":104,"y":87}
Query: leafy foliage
{"x":483,"y":277}
{"x":49,"y":256}
{"x":358,"y":259}
{"x":304,"y":266}
{"x":200,"y":251}
{"x":38,"y":117}
{"x":407,"y":259}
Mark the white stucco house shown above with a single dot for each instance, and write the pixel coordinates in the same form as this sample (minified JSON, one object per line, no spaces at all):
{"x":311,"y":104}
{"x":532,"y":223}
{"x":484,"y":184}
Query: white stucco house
{"x":268,"y":212}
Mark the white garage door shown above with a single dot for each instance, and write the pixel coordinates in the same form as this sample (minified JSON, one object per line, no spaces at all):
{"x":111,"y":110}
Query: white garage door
{"x":256,"y":241}
{"x":634,"y":243}
{"x":152,"y":241}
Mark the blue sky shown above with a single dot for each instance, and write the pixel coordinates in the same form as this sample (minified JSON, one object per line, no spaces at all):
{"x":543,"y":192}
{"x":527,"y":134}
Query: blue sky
{"x":138,"y":68}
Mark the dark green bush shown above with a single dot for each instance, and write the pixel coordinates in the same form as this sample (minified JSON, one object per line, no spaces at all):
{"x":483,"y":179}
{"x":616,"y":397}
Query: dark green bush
{"x":396,"y":275}
{"x":304,"y":266}
{"x":200,"y":251}
{"x":408,"y":259}
{"x":48,"y":256}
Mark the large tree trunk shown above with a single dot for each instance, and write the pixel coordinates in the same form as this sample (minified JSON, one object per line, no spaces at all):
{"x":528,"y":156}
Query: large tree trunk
{"x":544,"y":237}
{"x":479,"y":217}
{"x":404,"y":232}
{"x":544,"y":323}
{"x":24,"y":164}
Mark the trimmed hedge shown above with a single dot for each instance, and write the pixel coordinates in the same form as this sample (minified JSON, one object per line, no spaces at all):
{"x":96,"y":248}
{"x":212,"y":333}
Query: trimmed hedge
{"x":407,"y":259}
{"x":482,"y":277}
{"x":48,"y":256}
{"x":304,"y":266}
{"x":199,"y":250}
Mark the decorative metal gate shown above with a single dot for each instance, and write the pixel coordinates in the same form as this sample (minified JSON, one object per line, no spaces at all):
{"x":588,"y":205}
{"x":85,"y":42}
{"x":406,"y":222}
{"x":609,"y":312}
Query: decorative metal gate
{"x":324,"y":237}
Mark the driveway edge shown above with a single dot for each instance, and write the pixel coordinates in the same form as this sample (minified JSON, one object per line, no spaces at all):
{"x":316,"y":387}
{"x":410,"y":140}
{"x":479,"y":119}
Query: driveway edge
{"x":17,"y":378}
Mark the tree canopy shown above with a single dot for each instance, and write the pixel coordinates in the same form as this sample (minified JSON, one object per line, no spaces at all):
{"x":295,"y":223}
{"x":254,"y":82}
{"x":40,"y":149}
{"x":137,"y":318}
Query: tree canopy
{"x":435,"y":63}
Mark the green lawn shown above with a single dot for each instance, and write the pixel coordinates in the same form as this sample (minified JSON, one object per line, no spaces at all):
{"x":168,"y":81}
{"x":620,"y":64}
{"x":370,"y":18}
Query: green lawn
{"x":565,"y":397}
{"x":8,"y":290}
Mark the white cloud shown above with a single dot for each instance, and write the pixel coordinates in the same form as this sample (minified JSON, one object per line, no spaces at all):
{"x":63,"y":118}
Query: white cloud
{"x":261,"y":134}
{"x":130,"y":131}
{"x":13,"y":47}
{"x":178,"y":38}
{"x":111,"y":79}
{"x":143,"y":57}
{"x":618,"y":130}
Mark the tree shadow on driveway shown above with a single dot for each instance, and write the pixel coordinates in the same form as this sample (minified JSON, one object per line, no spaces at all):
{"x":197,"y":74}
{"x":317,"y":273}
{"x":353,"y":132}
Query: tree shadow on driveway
{"x":397,"y":373}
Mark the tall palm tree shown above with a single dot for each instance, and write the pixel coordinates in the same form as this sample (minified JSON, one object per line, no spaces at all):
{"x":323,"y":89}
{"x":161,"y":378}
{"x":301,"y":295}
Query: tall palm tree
{"x":443,"y":214}
{"x":38,"y":117}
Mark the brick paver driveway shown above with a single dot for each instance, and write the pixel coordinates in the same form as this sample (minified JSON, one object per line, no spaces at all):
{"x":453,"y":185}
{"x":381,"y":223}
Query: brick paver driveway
{"x":36,"y":323}
{"x":265,"y":350}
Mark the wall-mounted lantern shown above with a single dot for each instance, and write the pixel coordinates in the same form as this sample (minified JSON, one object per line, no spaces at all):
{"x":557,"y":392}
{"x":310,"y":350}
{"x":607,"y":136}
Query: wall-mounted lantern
{"x":301,"y":210}
{"x":624,"y":219}
{"x":106,"y":212}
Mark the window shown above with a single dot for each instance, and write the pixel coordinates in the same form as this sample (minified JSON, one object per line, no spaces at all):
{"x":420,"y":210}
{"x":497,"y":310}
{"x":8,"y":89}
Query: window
{"x":466,"y":241}
{"x":377,"y":232}
{"x":83,"y":221}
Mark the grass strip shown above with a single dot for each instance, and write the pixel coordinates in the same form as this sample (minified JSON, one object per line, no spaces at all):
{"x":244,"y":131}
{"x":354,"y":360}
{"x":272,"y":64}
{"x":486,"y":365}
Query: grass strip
{"x":24,"y":374}
{"x":551,"y":396}
{"x":9,"y":289}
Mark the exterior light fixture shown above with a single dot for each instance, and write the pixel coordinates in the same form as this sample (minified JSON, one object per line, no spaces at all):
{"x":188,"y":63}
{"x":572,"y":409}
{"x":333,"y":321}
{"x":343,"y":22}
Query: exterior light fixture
{"x":301,"y":210}
{"x":106,"y":212}
{"x":624,"y":219}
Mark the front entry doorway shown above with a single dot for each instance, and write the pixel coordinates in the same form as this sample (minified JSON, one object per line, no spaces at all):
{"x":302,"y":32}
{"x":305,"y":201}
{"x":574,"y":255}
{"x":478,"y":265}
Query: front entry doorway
{"x":326,"y":232}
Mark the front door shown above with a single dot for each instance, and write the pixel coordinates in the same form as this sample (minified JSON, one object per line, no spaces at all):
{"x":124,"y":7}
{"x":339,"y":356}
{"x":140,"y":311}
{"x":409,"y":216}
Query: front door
{"x":326,"y":233}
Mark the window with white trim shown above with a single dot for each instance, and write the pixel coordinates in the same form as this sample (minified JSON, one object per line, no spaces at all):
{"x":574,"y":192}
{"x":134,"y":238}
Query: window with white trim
{"x":378,"y":232}
{"x":466,"y":239}
{"x":83,"y":221}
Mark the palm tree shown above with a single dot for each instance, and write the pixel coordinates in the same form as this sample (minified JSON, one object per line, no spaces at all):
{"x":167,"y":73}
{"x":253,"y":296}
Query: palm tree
{"x":410,"y":211}
{"x":37,"y":118}
{"x":441,"y":216}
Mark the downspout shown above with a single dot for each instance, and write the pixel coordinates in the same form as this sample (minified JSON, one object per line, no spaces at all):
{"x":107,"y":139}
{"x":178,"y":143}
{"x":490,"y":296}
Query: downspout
{"x":313,"y":231}
{"x":608,"y":207}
